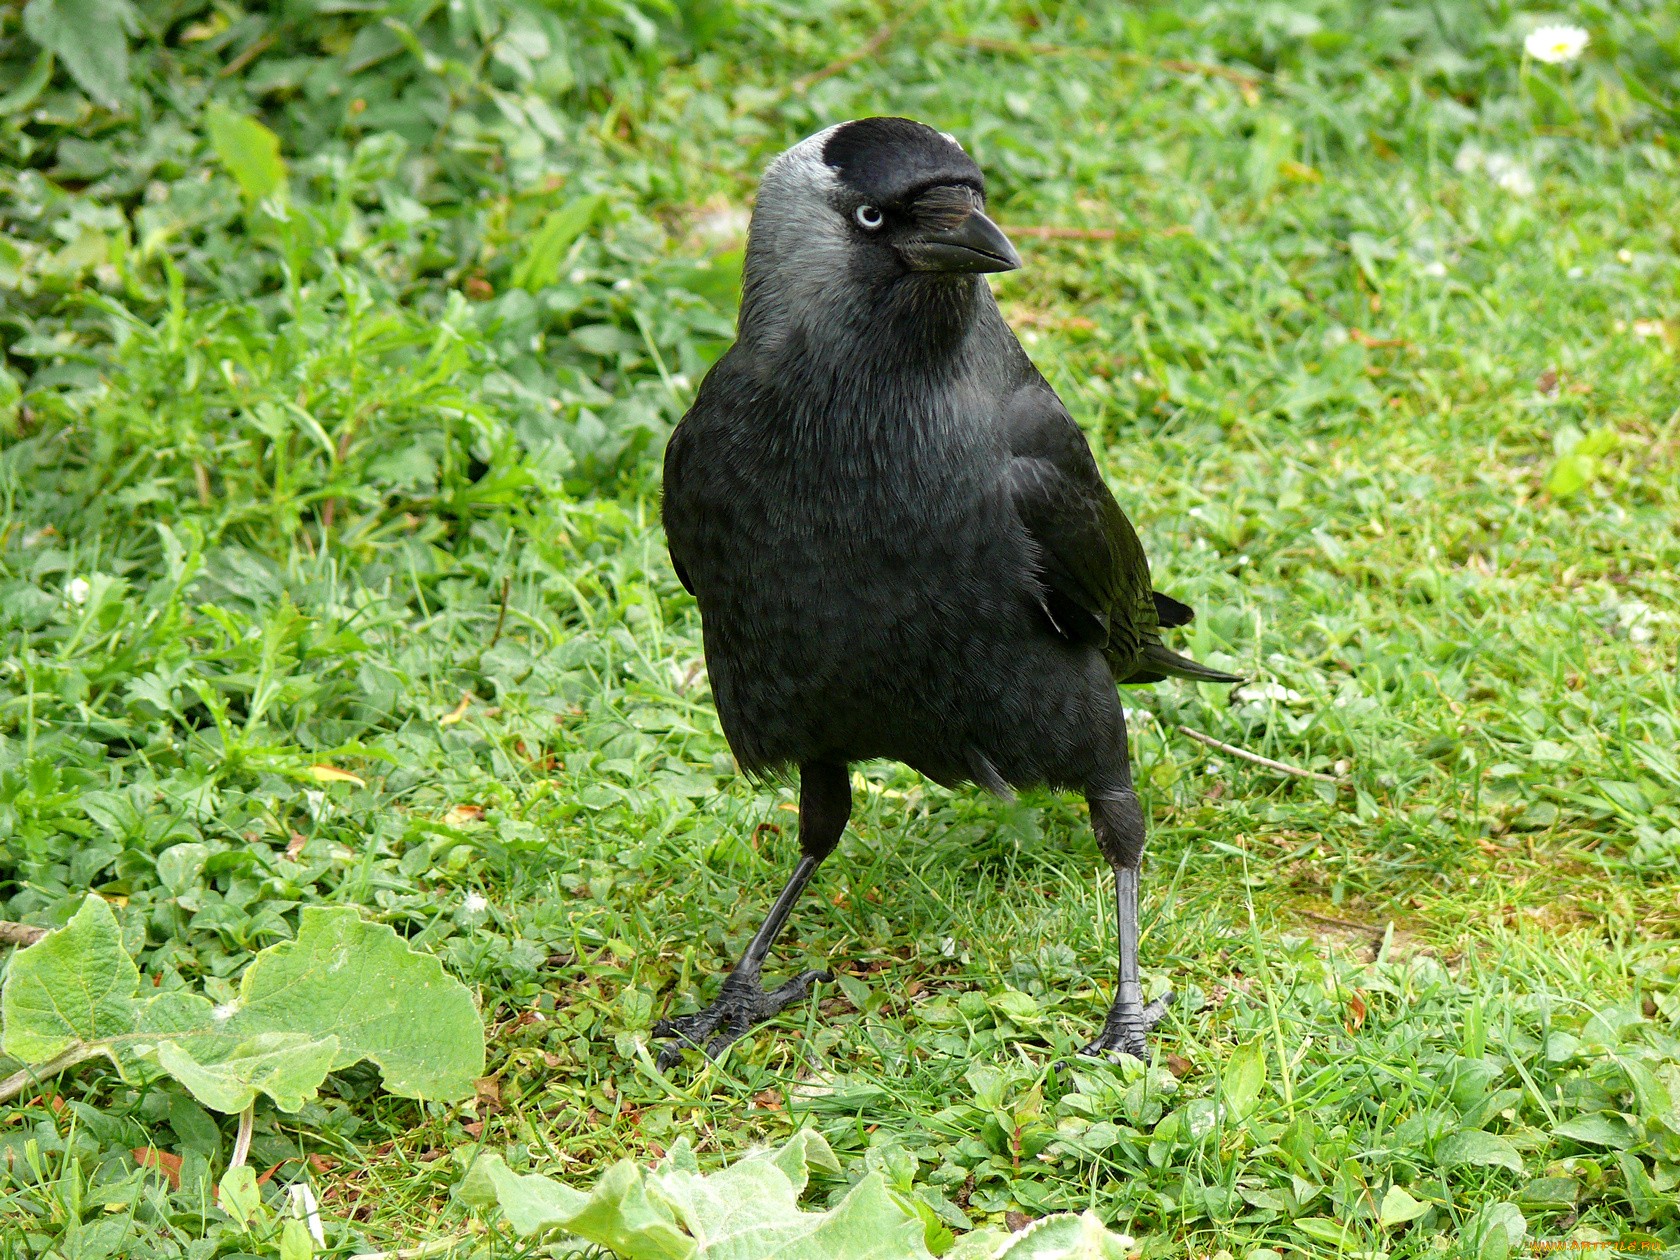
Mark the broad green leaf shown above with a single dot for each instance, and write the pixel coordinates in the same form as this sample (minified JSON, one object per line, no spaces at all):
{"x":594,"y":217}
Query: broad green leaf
{"x":1601,"y":1129}
{"x":226,"y":1075}
{"x":360,"y":982}
{"x":239,"y":1195}
{"x":1243,"y":1078}
{"x":617,"y":1214}
{"x":1398,"y":1207}
{"x":802,"y":1152}
{"x":91,"y":38}
{"x":73,"y":985}
{"x":343,"y":991}
{"x":249,"y":150}
{"x":1064,"y":1236}
{"x":1496,"y":1231}
{"x":22,"y":96}
{"x":1479,"y":1149}
{"x":743,"y":1212}
{"x":540,"y":267}
{"x":295,"y":1242}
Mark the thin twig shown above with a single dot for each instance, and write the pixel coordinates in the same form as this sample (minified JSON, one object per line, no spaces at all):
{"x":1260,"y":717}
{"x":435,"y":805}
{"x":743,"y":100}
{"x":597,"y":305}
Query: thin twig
{"x":1050,"y":233}
{"x":1342,"y":923}
{"x":1282,"y":767}
{"x":435,"y":1248}
{"x":501,"y":616}
{"x":1247,"y":82}
{"x":17,"y":1082}
{"x":254,"y":50}
{"x":242,"y":1139}
{"x":870,"y":47}
{"x":20,"y":933}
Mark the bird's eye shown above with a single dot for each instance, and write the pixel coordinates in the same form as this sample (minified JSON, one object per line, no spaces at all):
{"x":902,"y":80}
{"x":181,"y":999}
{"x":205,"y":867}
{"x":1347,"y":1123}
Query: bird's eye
{"x":869,"y":218}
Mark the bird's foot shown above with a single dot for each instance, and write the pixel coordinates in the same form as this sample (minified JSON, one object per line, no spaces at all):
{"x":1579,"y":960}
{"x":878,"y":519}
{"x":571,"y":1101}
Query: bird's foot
{"x":740,"y":1006}
{"x":1127,"y":1029}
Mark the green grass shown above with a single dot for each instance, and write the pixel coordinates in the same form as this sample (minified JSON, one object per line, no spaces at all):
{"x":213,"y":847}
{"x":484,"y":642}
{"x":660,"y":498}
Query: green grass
{"x":365,"y":477}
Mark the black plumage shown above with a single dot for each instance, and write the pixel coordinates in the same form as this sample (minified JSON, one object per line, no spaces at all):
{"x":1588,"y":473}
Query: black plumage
{"x":899,"y":540}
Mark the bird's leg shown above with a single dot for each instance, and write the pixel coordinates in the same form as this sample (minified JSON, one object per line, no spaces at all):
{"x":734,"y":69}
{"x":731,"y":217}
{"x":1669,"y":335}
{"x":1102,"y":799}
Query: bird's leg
{"x":825,"y":803}
{"x":1117,"y":818}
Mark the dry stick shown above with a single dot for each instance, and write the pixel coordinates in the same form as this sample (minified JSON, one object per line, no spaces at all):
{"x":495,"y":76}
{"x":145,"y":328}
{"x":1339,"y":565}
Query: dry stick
{"x":1248,"y":82}
{"x":1282,"y":767}
{"x":251,"y":53}
{"x":436,"y":1248}
{"x":20,"y":934}
{"x":35,"y":1073}
{"x":1343,"y":923}
{"x":1045,"y":233}
{"x":870,"y":47}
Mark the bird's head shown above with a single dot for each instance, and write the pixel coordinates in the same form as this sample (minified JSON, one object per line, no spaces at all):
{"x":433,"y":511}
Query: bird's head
{"x":867,"y":218}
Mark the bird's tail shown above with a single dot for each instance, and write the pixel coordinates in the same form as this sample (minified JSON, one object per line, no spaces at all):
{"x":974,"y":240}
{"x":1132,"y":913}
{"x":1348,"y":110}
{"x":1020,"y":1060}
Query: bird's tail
{"x":1159,"y":661}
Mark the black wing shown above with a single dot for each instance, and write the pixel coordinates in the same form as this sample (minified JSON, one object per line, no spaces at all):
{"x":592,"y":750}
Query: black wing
{"x":1093,"y":574}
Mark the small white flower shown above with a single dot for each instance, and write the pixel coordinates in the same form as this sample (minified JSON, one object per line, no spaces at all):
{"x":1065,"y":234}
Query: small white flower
{"x":1510,"y":174}
{"x":1556,"y":45}
{"x":77,"y":591}
{"x":475,"y":903}
{"x":1435,"y":270}
{"x":1575,"y":273}
{"x":1269,"y":690}
{"x":1641,"y":328}
{"x":1624,"y":256}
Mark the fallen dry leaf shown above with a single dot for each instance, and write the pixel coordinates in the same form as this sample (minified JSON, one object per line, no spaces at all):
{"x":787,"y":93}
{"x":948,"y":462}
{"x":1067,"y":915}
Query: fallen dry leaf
{"x":332,"y":774}
{"x":459,"y":711}
{"x":165,"y":1163}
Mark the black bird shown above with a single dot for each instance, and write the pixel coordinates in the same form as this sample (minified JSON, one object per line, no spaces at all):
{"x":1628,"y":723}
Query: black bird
{"x":898,"y":538}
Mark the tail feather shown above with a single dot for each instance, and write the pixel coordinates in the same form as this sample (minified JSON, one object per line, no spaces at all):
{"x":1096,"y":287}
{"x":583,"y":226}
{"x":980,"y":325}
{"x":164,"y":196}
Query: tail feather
{"x":1159,"y":661}
{"x":1171,"y":612}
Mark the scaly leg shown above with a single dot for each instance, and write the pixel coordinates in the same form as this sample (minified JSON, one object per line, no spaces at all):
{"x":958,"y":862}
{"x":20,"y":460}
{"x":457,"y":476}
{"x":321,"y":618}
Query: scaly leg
{"x":1117,"y":818}
{"x":825,"y":804}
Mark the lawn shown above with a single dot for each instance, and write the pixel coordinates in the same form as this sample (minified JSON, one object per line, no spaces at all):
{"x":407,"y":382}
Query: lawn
{"x":331,"y":575}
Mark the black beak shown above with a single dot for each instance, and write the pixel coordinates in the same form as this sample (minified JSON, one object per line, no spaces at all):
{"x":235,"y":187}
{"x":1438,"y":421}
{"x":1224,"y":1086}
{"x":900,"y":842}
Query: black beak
{"x":975,"y":244}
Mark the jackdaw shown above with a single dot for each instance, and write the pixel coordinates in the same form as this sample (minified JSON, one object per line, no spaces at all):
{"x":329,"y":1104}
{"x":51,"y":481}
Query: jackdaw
{"x":898,"y":538}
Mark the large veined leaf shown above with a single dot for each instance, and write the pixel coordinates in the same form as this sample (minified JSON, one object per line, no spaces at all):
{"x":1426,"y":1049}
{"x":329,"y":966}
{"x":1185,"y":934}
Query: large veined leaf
{"x":750,"y":1211}
{"x":73,"y":985}
{"x":345,"y":990}
{"x":1061,"y":1237}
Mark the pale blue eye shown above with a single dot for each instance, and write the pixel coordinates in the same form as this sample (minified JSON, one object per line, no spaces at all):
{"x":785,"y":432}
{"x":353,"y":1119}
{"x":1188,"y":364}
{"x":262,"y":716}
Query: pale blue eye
{"x":869,"y":217}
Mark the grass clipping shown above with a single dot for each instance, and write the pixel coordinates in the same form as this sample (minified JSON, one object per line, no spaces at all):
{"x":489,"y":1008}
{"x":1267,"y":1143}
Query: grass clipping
{"x":751,"y":1210}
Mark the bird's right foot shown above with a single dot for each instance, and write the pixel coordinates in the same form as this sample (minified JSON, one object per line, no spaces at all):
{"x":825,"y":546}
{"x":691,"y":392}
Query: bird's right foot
{"x":1127,"y":1029}
{"x":741,"y":1005}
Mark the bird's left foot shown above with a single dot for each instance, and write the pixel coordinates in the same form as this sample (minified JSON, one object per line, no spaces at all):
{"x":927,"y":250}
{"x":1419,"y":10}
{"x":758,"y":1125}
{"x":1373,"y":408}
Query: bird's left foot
{"x":1127,"y":1030}
{"x":739,"y":1006}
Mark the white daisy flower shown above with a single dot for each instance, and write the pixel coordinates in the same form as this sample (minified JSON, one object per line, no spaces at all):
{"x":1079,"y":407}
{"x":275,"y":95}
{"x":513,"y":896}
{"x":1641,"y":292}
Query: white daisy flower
{"x":475,"y":903}
{"x":77,"y":590}
{"x":1556,"y":44}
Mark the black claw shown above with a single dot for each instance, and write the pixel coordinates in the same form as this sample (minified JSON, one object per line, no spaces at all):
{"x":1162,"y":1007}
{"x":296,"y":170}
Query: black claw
{"x":739,"y":1007}
{"x":1126,"y":1031}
